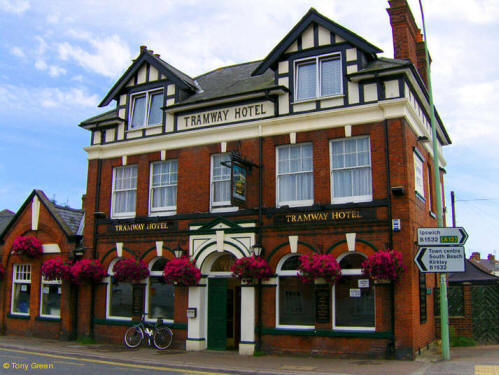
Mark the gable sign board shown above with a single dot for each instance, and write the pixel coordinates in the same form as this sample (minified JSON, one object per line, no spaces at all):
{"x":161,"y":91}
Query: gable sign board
{"x":238,"y":183}
{"x":442,"y":236}
{"x":440,"y":259}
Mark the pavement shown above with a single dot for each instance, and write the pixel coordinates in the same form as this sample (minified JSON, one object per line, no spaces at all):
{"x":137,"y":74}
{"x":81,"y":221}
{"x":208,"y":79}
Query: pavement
{"x":478,"y":360}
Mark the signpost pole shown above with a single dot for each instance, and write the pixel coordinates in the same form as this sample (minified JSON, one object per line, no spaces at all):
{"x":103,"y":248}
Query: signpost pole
{"x":444,"y":315}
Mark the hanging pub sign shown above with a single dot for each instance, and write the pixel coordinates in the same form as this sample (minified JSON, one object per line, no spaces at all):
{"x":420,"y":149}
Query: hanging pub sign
{"x":238,"y":183}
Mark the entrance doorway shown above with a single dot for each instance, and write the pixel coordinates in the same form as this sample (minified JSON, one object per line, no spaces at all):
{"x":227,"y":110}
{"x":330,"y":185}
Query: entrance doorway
{"x":224,"y":313}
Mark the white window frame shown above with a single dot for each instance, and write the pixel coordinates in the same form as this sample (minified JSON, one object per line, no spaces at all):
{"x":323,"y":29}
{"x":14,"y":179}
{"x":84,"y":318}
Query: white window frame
{"x":118,"y":215}
{"x":352,"y":198}
{"x":165,"y":210}
{"x":148,"y":95}
{"x":109,"y":281}
{"x":294,"y":203}
{"x":147,"y":293}
{"x":44,"y":283}
{"x":318,"y":74}
{"x":286,"y":273}
{"x":419,"y":174}
{"x":222,"y":206}
{"x":21,"y":274}
{"x":351,"y":272}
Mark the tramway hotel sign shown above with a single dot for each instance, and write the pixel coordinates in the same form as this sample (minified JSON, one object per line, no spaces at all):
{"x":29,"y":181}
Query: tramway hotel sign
{"x":226,"y":115}
{"x":141,"y":227}
{"x":329,"y":216}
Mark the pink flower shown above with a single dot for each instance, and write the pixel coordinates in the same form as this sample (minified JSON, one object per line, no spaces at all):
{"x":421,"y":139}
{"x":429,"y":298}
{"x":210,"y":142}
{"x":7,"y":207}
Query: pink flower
{"x":130,"y":270}
{"x":251,"y":268}
{"x":384,"y":265}
{"x":319,"y":266}
{"x":56,"y":268}
{"x":181,"y":271}
{"x":27,"y":245}
{"x":87,"y":270}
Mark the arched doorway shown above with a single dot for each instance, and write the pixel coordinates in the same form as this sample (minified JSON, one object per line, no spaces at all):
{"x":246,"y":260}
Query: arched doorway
{"x":224,"y":304}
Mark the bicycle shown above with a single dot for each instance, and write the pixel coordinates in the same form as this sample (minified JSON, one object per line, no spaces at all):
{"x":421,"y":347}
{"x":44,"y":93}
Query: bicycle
{"x":159,"y":334}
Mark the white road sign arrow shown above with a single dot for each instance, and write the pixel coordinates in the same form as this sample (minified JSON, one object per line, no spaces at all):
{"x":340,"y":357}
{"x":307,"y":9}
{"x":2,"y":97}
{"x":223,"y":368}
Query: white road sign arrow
{"x":442,"y":236}
{"x":440,"y":259}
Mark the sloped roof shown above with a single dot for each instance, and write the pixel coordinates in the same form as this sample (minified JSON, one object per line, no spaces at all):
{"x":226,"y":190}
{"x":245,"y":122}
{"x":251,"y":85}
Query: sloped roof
{"x":98,"y":119}
{"x":472,"y":273}
{"x":69,"y":219}
{"x":312,"y":16}
{"x":229,"y":81}
{"x":179,"y":78}
{"x":5,"y":218}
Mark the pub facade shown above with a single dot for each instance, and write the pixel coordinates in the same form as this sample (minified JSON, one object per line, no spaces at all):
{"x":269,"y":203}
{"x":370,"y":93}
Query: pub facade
{"x":327,"y":147}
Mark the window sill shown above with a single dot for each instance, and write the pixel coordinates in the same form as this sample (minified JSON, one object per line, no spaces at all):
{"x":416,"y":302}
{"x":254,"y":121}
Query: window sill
{"x":327,"y":333}
{"x":307,"y":203}
{"x":420,"y":197}
{"x":314,"y":99}
{"x":224,"y":209}
{"x":47,"y":318}
{"x":124,"y":216}
{"x":433,"y":215}
{"x":18,"y":316}
{"x":359,"y":199}
{"x":163,"y":213}
{"x":144,"y":127}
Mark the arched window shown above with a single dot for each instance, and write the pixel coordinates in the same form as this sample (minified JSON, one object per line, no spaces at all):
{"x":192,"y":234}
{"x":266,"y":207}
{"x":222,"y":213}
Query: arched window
{"x":159,"y":295}
{"x":119,"y":297}
{"x":353,"y":296}
{"x":294,"y":299}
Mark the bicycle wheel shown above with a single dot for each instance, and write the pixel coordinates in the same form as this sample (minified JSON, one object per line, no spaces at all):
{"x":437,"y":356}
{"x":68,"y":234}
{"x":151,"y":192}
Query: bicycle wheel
{"x":163,"y":337}
{"x":133,"y":337}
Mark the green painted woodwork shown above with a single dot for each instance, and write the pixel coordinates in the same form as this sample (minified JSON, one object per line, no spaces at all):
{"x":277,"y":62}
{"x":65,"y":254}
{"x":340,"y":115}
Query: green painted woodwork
{"x":217,"y":314}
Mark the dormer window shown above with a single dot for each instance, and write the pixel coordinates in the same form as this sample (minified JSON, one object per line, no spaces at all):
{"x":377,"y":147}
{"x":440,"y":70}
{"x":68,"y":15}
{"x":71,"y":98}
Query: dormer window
{"x":146,"y":109}
{"x":317,"y":77}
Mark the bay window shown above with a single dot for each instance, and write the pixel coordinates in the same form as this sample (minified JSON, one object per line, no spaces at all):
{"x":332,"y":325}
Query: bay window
{"x":320,"y":76}
{"x":145,"y":109}
{"x":124,"y":192}
{"x":351,"y":170}
{"x":21,"y":289}
{"x":295,"y":175}
{"x":163,"y":187}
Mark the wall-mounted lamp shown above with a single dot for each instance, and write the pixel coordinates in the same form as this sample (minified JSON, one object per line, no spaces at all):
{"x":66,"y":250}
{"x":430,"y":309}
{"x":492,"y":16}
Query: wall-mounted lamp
{"x":99,"y":215}
{"x":423,"y":139}
{"x":256,"y":250}
{"x":178,"y":252}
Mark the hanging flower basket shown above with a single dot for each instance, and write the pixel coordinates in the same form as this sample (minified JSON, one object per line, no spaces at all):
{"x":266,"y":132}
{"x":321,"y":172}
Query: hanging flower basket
{"x":27,"y":245}
{"x":56,"y":268}
{"x":2,"y":272}
{"x":181,"y":272}
{"x":384,"y":265}
{"x":87,"y":271}
{"x":319,"y":266}
{"x":251,"y":268}
{"x":130,"y":270}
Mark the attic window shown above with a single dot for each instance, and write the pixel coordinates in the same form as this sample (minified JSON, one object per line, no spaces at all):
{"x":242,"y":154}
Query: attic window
{"x":318,"y":77}
{"x":146,"y":109}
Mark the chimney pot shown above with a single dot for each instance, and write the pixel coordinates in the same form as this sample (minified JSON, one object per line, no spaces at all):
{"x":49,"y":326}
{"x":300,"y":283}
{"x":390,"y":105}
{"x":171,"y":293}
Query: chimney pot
{"x":491,"y":257}
{"x":143,"y":48}
{"x":475,"y":255}
{"x":157,"y":55}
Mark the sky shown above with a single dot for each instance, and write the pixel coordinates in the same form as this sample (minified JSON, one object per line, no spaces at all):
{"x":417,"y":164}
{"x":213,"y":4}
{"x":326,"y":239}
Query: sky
{"x":59,"y":58}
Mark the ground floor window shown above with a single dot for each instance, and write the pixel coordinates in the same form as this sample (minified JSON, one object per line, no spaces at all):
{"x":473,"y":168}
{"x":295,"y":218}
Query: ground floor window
{"x":120,"y":300}
{"x":50,"y":299}
{"x":354,"y":298}
{"x":296,"y":302}
{"x":21,"y":289}
{"x":159,"y":296}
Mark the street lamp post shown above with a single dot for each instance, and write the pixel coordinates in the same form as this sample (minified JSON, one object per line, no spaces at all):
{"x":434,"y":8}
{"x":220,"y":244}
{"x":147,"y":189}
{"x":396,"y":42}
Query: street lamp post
{"x":444,"y":314}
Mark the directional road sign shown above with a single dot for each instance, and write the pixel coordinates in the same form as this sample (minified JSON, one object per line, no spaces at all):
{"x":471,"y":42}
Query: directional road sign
{"x":442,"y":236}
{"x":440,"y":259}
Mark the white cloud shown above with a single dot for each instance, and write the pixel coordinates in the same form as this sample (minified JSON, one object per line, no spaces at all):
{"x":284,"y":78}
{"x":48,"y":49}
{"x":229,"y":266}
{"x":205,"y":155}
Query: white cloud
{"x":55,"y":71}
{"x":14,"y":6}
{"x":17,"y":51}
{"x":40,"y":65}
{"x":107,"y":56}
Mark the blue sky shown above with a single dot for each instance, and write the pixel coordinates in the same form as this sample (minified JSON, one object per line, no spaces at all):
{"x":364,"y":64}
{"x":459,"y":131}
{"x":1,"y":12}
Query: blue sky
{"x":59,"y":58}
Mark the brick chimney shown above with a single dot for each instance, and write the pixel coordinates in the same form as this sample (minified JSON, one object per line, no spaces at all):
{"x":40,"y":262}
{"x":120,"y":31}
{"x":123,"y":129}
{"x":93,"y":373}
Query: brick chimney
{"x":407,"y":38}
{"x":475,"y":256}
{"x":491,"y":257}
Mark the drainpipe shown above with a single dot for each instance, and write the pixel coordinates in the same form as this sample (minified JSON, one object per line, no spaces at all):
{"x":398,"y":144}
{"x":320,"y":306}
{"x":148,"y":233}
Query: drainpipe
{"x":259,"y":241}
{"x":391,"y":347}
{"x":94,"y":246}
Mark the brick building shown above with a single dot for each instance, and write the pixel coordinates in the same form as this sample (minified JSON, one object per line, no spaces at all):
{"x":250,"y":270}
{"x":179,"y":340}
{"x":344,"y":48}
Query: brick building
{"x":335,"y":139}
{"x":29,"y":304}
